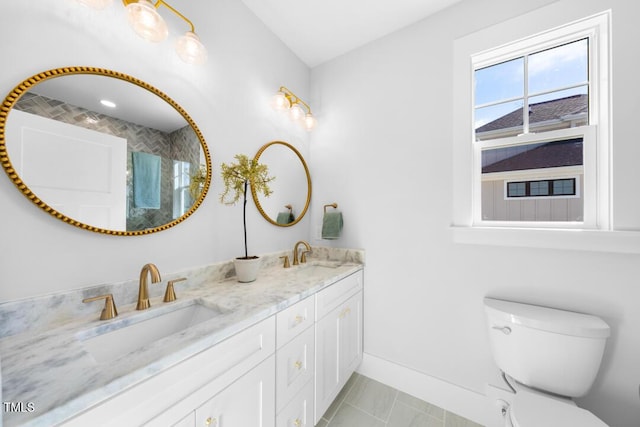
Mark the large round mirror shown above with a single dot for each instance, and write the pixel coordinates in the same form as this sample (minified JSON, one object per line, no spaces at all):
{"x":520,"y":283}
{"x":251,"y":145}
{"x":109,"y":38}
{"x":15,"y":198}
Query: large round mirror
{"x":291,"y":188}
{"x":103,"y":151}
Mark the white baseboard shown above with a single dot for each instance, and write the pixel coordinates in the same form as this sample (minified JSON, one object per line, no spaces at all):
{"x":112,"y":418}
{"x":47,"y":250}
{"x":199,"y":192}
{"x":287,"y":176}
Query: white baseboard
{"x":451,"y":397}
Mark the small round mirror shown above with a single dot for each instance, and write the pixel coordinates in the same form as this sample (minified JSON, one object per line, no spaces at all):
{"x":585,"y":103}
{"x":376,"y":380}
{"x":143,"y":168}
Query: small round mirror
{"x":289,"y":202}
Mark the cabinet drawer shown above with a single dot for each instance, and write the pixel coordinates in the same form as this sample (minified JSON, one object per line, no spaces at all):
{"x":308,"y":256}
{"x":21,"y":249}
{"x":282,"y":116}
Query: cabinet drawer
{"x":295,"y":366}
{"x":293,"y":320}
{"x":331,"y":297}
{"x":299,"y":412}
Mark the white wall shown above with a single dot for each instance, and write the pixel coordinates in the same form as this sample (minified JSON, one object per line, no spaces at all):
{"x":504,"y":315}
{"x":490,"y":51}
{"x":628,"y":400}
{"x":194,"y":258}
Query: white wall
{"x":228,"y":99}
{"x":383,"y":151}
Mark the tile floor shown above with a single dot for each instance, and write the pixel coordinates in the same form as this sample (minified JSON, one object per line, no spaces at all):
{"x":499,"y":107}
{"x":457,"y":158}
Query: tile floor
{"x":364,"y":402}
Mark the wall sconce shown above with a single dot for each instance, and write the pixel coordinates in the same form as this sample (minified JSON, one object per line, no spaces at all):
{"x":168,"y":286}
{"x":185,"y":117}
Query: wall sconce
{"x":148,"y":24}
{"x":287,"y":100}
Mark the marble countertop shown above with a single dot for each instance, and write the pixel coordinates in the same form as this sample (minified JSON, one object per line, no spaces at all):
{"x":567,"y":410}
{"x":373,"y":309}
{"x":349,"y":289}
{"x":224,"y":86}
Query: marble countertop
{"x":53,"y":370}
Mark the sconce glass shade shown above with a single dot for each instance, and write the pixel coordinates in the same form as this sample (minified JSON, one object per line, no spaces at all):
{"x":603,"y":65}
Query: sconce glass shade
{"x":190,"y":49}
{"x":280,"y":102}
{"x":309,"y":122}
{"x":96,"y":4}
{"x":296,"y":112}
{"x":146,"y":21}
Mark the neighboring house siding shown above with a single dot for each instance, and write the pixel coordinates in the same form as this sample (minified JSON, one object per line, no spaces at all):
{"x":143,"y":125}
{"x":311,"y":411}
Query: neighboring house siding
{"x":496,"y":207}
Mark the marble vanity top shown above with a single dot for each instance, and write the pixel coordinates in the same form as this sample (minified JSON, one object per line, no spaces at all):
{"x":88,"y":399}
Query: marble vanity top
{"x":52,"y":369}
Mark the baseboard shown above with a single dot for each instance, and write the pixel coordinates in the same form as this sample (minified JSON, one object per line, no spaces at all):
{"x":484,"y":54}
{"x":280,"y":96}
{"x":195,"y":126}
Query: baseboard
{"x":451,"y":397}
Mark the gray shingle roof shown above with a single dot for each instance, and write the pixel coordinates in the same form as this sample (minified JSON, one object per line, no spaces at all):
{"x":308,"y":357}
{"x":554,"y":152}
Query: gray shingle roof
{"x":541,"y":112}
{"x":547,"y":155}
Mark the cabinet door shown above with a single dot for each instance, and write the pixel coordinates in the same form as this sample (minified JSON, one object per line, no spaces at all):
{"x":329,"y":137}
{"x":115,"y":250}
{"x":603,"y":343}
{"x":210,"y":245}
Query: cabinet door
{"x":250,"y":401}
{"x":188,"y":421}
{"x":350,"y":337}
{"x":338,"y":351}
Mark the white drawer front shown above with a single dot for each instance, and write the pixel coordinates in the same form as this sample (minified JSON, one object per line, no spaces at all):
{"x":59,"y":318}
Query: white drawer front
{"x":293,"y":320}
{"x":299,"y":412}
{"x":295,"y":366}
{"x":331,"y":297}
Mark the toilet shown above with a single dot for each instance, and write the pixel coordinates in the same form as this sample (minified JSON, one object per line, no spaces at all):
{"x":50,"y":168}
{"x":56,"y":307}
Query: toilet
{"x":549,"y":357}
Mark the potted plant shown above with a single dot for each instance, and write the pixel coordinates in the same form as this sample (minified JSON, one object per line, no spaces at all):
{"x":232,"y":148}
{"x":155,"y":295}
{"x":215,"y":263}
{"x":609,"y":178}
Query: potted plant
{"x":237,"y":178}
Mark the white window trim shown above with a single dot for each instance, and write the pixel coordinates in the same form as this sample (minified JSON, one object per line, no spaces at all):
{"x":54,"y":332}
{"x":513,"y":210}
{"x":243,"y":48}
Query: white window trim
{"x":598,"y":236}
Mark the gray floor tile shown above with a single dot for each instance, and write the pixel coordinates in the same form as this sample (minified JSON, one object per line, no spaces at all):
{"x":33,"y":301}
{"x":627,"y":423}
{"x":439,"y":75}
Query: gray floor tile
{"x":333,"y":408}
{"x":372,"y":397}
{"x":406,"y":416}
{"x":348,"y":416}
{"x":453,"y":420}
{"x":421,"y":405}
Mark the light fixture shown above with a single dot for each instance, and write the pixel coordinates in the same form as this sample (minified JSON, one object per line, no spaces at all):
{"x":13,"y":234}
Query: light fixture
{"x":107,"y":103}
{"x":285,"y":100}
{"x":147,"y":23}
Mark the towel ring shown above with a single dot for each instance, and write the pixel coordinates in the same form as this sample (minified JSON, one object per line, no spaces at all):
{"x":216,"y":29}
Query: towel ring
{"x":332,"y":205}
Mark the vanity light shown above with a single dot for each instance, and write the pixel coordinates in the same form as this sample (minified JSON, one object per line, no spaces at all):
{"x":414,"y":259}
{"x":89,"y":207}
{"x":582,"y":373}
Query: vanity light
{"x":147,"y":23}
{"x":108,"y":103}
{"x":285,"y":100}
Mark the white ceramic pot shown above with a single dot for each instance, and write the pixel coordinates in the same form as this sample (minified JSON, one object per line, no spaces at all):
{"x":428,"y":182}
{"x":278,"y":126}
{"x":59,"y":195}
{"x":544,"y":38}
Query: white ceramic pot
{"x":247,"y":268}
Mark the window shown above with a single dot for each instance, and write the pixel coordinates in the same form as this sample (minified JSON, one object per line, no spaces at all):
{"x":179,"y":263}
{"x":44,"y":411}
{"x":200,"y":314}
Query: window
{"x":546,"y":188}
{"x":537,"y":144}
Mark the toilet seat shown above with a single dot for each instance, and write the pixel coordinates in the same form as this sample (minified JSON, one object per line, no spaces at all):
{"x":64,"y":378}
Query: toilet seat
{"x":534,"y":410}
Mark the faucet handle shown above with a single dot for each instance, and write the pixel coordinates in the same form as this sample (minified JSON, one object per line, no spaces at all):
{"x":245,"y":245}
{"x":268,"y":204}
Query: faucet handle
{"x":303,"y":257}
{"x":109,"y":311}
{"x":170,"y":293}
{"x":286,"y":261}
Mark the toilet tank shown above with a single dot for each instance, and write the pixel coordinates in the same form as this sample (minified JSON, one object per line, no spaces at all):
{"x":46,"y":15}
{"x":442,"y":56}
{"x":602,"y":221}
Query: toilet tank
{"x":545,"y":348}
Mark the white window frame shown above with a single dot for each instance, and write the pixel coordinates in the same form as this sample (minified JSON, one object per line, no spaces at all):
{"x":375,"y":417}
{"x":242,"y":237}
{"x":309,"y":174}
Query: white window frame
{"x":494,"y":42}
{"x":591,"y":29}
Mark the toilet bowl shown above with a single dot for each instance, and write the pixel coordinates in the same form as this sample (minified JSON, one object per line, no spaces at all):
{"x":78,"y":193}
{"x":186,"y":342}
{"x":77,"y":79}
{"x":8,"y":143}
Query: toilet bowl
{"x":551,"y":356}
{"x":531,"y":408}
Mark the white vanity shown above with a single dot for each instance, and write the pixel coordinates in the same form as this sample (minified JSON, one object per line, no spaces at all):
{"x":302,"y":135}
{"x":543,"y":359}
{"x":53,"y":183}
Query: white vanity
{"x":277,"y":354}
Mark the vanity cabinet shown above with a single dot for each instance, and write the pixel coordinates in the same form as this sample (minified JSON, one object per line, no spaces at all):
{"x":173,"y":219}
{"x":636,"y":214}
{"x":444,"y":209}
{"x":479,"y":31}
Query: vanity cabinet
{"x":284,"y":371}
{"x":338,"y":339}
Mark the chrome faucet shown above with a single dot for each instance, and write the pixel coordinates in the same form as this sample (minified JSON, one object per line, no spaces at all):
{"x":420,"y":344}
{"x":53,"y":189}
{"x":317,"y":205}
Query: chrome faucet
{"x":303,"y":257}
{"x":143,"y":292}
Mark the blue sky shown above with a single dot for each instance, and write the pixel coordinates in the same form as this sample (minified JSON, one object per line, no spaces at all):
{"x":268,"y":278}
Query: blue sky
{"x":548,"y":70}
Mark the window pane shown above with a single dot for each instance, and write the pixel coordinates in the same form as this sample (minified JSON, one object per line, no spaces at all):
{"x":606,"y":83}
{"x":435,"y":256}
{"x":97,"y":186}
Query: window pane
{"x":499,"y":121}
{"x":499,"y":82}
{"x":516,"y":189}
{"x":562,"y":66}
{"x":564,"y":187}
{"x":531,"y":199}
{"x":539,"y":188}
{"x":559,"y":110}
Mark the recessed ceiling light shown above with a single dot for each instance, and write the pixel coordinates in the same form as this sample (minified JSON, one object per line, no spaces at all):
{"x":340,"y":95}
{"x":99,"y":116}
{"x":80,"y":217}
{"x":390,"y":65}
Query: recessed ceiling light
{"x":108,"y":103}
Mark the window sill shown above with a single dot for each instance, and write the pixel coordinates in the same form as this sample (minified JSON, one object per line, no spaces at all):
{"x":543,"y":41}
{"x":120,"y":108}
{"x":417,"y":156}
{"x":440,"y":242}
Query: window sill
{"x":583,"y":240}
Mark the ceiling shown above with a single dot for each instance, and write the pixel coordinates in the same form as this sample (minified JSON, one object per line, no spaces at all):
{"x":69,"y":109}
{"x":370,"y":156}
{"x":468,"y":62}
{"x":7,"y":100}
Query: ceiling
{"x":320,"y":30}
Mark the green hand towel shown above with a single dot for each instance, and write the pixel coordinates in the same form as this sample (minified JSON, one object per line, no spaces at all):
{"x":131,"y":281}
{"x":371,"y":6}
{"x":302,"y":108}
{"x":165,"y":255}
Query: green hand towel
{"x":285,"y":218}
{"x":332,"y":225}
{"x":147,"y":173}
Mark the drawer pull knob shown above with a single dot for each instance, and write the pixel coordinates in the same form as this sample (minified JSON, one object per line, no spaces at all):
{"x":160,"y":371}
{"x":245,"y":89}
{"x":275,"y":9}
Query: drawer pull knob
{"x":297,"y":422}
{"x":213,"y":422}
{"x":299,"y":319}
{"x":298,"y":365}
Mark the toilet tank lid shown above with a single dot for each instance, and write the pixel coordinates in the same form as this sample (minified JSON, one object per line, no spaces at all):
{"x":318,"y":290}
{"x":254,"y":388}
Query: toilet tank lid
{"x":547,"y":319}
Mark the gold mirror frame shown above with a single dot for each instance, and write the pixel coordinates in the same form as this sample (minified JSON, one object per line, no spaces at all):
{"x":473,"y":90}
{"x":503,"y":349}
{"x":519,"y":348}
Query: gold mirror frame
{"x":306,"y":171}
{"x":13,"y":97}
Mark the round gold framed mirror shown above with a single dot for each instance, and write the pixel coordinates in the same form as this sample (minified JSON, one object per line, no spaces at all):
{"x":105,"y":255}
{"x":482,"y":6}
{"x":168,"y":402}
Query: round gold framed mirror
{"x":291,"y":196}
{"x":103,"y":151}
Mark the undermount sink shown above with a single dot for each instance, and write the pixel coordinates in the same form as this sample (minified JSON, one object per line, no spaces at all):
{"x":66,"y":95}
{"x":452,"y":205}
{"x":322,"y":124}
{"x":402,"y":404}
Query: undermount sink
{"x":109,"y":342}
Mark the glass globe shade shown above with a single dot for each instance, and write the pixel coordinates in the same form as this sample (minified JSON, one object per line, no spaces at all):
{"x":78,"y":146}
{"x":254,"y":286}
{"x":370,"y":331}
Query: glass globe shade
{"x":309,"y":122}
{"x":296,"y":112}
{"x":96,"y":4}
{"x":280,"y":102}
{"x":146,"y":21}
{"x":190,"y":49}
